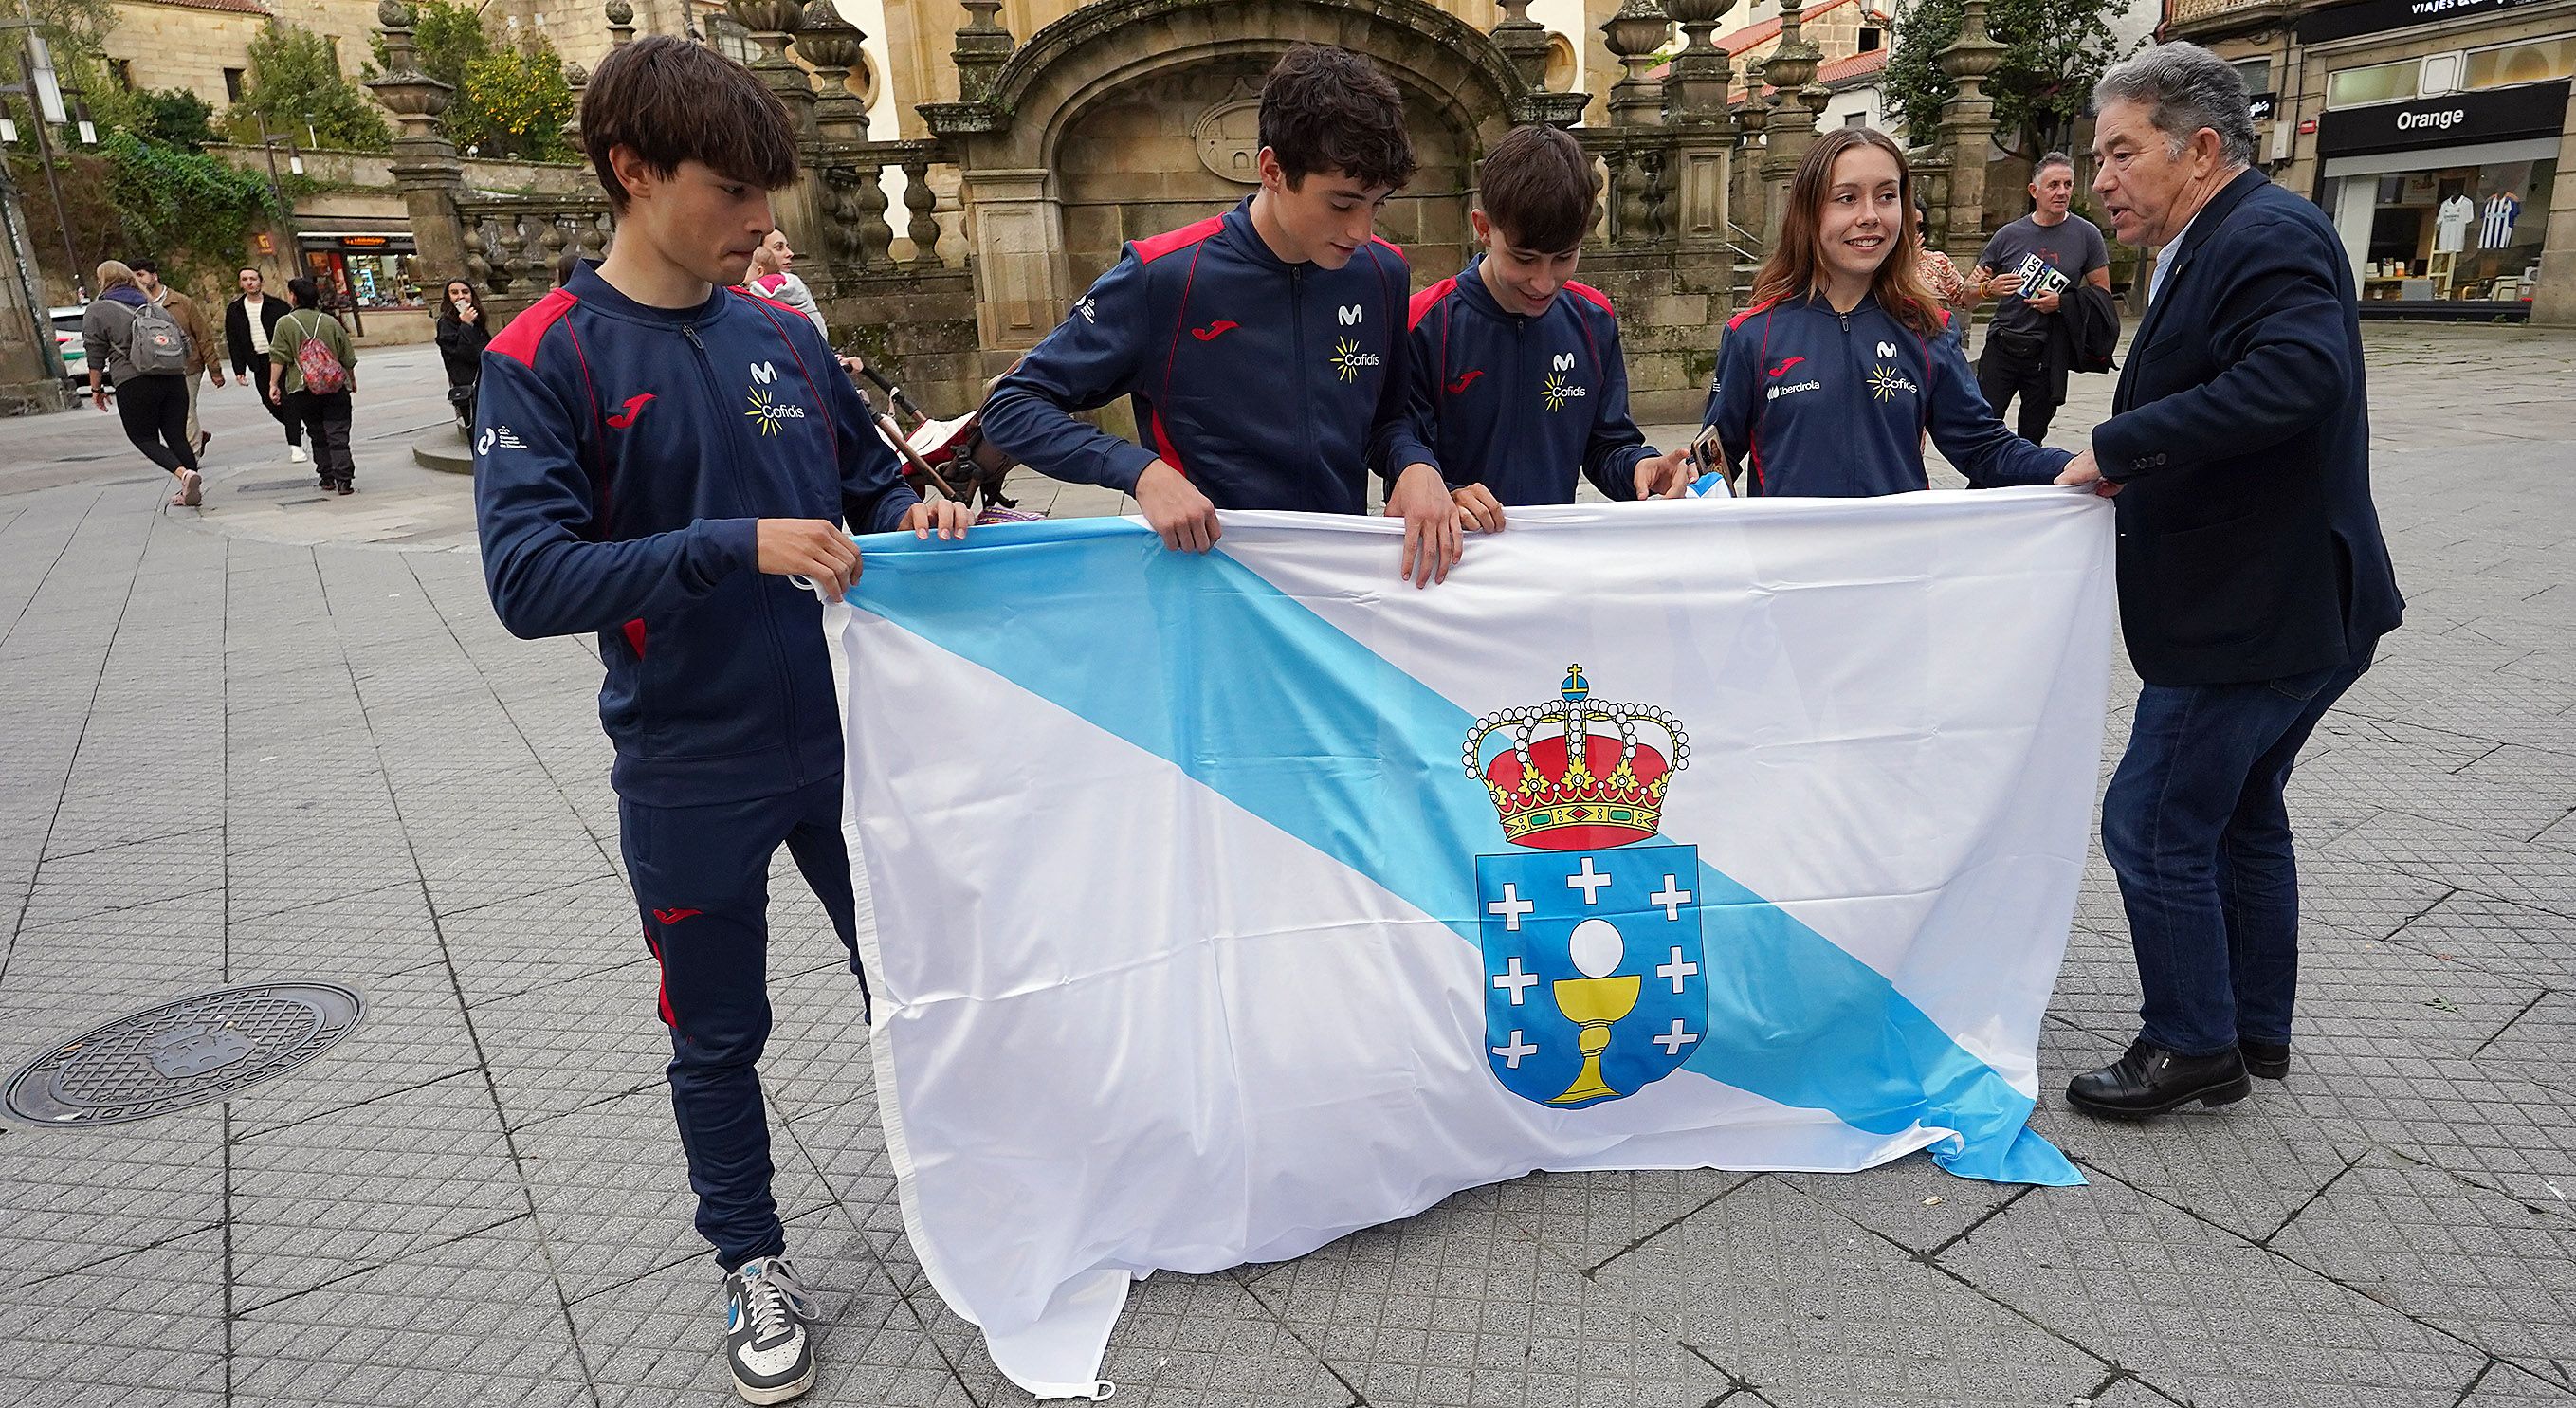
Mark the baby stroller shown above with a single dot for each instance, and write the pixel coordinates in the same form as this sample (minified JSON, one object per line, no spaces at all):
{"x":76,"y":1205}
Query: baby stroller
{"x":950,"y":455}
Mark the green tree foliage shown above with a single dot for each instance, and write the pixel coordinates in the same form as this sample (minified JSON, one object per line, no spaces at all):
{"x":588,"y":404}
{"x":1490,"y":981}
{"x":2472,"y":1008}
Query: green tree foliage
{"x":190,"y":209}
{"x":2054,"y":50}
{"x":524,"y":100}
{"x":295,"y":84}
{"x":173,"y":117}
{"x":509,"y":100}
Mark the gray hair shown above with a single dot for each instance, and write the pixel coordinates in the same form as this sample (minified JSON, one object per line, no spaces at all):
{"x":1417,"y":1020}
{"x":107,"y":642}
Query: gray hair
{"x":2185,"y":88}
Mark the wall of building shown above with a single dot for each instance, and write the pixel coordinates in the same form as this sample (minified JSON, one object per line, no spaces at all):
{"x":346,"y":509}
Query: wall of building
{"x":175,"y":46}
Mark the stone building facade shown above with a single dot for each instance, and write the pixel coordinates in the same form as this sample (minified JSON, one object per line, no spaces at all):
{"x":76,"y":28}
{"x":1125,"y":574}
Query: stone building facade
{"x":2441,"y":139}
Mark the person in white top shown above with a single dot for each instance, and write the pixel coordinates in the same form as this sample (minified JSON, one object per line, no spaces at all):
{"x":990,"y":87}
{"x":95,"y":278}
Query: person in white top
{"x":247,"y":321}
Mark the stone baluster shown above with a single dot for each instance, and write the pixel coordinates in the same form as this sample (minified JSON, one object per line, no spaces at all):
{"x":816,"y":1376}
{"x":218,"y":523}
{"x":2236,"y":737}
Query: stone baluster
{"x":923,"y":202}
{"x":1791,"y":67}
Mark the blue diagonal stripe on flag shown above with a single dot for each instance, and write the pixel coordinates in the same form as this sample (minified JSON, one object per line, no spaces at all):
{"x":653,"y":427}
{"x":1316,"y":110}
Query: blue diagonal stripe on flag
{"x":1200,"y":661}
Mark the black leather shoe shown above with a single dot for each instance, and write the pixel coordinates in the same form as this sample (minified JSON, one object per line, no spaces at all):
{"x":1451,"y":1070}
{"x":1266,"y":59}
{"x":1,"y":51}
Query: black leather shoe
{"x":2151,"y":1080}
{"x":2268,"y":1059}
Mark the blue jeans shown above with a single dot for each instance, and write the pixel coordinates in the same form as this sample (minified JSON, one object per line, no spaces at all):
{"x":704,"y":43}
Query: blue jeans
{"x":701,"y":877}
{"x":2195,"y":828}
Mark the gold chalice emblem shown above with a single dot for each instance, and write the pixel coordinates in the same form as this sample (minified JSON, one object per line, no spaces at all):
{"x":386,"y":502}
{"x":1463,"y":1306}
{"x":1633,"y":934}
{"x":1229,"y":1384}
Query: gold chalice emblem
{"x":1594,"y":1002}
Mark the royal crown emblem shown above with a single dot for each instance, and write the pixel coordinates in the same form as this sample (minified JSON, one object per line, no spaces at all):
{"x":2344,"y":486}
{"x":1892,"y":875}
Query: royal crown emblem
{"x":1562,"y":785}
{"x":1594,"y":969}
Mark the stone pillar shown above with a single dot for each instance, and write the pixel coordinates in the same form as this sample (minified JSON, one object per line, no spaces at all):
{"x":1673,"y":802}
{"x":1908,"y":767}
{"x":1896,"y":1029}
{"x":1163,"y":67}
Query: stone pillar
{"x":1753,"y":125}
{"x":1968,"y":131}
{"x":831,"y":44}
{"x":798,"y":208}
{"x":425,"y":168}
{"x":1023,"y":283}
{"x":983,"y":46}
{"x":1635,"y":33}
{"x":2553,"y":303}
{"x":31,"y":373}
{"x":1523,"y":41}
{"x":1790,"y":69}
{"x":621,"y":24}
{"x":1695,"y":90}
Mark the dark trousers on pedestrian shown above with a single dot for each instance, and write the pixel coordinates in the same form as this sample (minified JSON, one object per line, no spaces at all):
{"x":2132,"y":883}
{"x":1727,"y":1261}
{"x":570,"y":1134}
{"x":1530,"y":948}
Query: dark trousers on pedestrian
{"x":154,"y":410}
{"x":701,"y":877}
{"x":2002,"y":376}
{"x":276,"y":409}
{"x":2196,"y":829}
{"x":326,"y":425}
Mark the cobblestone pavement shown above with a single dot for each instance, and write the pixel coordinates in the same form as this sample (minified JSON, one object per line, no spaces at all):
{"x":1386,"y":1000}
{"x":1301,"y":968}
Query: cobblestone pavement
{"x":242,"y":745}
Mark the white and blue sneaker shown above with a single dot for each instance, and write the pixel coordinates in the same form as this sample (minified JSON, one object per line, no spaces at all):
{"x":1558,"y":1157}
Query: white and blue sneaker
{"x":765,"y":1338}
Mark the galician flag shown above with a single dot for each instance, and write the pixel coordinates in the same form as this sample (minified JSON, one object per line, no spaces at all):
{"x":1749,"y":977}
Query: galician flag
{"x":1228,"y":904}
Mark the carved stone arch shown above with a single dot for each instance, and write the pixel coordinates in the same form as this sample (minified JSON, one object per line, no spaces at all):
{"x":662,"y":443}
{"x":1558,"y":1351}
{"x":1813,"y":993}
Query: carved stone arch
{"x":1082,"y":139}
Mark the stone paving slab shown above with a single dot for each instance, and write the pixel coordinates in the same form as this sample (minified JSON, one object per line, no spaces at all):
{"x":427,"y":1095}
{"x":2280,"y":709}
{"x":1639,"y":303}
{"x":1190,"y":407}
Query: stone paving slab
{"x":283,"y":737}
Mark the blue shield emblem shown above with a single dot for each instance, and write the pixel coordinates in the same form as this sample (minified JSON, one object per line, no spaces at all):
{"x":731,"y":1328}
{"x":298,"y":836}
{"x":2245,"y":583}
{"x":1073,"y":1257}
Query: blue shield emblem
{"x":1594,"y":981}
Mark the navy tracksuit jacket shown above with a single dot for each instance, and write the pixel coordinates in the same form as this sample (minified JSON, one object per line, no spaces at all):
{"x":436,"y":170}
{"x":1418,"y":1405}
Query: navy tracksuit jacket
{"x":1820,"y":404}
{"x":622,"y":457}
{"x":1271,"y":385}
{"x":1518,"y":403}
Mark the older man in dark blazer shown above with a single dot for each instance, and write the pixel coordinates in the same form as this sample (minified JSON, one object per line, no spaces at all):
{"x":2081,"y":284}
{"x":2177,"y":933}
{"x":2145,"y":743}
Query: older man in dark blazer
{"x":2254,"y":583}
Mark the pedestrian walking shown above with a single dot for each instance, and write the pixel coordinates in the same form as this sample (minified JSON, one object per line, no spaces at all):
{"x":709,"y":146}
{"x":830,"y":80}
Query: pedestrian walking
{"x":141,"y":351}
{"x":461,"y":340}
{"x":312,"y":372}
{"x":2030,"y":265}
{"x":248,"y":322}
{"x":2254,"y":582}
{"x":671,"y":523}
{"x":202,"y":362}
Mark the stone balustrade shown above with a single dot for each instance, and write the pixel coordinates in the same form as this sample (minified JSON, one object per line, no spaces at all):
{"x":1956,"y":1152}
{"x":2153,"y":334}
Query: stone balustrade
{"x":512,"y":242}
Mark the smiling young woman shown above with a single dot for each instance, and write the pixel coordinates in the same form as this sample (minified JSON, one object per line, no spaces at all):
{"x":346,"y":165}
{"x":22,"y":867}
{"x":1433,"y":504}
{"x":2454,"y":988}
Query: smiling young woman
{"x":1828,"y":385}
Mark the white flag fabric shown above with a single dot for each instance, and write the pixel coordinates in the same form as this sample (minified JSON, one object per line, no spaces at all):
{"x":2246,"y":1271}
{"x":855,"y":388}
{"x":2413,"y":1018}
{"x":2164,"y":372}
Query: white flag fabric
{"x":1228,"y":904}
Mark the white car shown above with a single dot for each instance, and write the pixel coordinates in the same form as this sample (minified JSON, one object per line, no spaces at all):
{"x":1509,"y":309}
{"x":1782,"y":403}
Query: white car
{"x":67,"y":340}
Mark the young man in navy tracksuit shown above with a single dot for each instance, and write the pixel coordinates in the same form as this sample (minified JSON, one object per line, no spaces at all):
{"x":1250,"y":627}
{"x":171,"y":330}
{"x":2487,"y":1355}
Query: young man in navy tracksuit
{"x":1828,"y":386}
{"x":1263,"y":349}
{"x":656,"y":453}
{"x":1518,"y":378}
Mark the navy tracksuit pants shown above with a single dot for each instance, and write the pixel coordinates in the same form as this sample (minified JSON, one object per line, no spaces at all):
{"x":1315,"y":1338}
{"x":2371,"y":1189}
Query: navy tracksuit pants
{"x":701,"y":877}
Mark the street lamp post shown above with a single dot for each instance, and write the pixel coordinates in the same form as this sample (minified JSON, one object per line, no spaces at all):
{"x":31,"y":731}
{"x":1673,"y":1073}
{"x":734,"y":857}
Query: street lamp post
{"x":36,"y":95}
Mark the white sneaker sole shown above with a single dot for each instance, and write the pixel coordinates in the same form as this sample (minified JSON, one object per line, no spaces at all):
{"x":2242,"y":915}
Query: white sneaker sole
{"x":780,"y":1394}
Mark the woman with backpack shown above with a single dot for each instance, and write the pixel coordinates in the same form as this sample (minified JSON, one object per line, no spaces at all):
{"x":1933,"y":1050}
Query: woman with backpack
{"x":461,"y":340}
{"x":144,"y":355}
{"x":310,"y":373}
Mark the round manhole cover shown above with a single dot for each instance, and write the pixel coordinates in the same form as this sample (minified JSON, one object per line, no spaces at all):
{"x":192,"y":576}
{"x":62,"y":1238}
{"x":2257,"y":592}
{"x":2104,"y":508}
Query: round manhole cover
{"x":190,"y":1052}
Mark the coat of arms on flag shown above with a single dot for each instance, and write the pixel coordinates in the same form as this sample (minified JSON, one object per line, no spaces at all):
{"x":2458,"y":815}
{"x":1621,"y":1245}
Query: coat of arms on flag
{"x":1593,"y":960}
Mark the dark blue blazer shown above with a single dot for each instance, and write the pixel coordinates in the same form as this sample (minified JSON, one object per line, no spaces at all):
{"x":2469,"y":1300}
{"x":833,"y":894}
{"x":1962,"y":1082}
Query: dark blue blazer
{"x":2240,"y":434}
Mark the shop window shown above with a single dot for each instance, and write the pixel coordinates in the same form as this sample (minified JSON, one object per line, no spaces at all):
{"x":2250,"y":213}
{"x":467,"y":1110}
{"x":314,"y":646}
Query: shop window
{"x":2378,"y":83}
{"x":2457,"y":233}
{"x":2535,"y":62}
{"x":2441,"y":74}
{"x":2257,"y":74}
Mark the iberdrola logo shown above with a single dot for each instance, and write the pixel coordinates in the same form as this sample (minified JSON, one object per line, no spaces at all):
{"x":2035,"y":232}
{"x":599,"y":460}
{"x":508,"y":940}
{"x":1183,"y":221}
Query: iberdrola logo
{"x":1593,"y":960}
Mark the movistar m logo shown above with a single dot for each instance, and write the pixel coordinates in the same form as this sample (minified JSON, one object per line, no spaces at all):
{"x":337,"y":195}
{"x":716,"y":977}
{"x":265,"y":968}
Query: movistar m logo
{"x":1352,"y":316}
{"x":764,"y":373}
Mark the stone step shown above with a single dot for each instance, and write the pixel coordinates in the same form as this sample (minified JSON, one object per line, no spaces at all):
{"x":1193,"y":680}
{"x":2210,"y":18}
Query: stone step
{"x":443,"y":448}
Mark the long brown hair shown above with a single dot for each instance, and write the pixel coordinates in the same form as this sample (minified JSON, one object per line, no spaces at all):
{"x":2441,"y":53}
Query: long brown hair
{"x":1795,"y":268}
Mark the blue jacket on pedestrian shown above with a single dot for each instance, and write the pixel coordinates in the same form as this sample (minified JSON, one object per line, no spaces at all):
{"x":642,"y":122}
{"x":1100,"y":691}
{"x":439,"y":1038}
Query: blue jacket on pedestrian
{"x":1517,"y":403}
{"x":2250,"y":547}
{"x":1270,"y":385}
{"x":622,"y":455}
{"x":1820,"y":404}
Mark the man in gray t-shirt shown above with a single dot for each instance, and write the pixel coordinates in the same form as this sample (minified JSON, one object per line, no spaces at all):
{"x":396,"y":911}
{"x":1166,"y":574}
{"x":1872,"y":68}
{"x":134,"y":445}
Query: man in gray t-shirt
{"x":2031,"y":263}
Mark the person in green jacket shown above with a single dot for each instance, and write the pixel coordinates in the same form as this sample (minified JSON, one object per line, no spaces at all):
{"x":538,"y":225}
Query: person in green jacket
{"x":323,"y":414}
